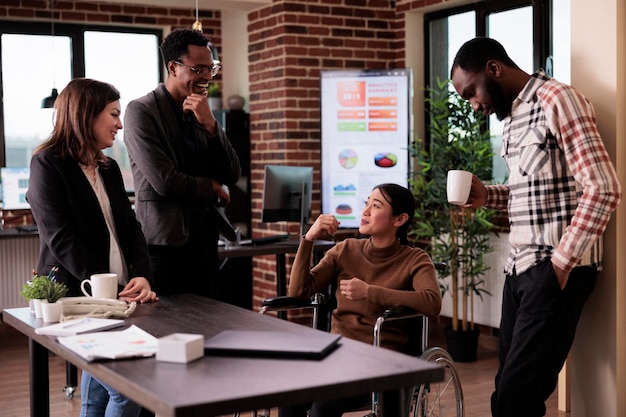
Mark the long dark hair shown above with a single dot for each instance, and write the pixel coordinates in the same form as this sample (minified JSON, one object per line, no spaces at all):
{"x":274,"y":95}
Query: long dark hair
{"x":76,"y":109}
{"x":402,"y":201}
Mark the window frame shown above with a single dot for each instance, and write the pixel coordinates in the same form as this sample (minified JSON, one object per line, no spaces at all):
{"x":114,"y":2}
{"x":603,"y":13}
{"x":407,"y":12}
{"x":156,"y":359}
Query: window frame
{"x":542,"y":30}
{"x":76,"y":32}
{"x":542,"y":47}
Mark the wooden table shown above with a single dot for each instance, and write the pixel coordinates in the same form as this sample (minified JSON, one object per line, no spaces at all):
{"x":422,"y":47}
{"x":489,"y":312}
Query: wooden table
{"x":218,"y":385}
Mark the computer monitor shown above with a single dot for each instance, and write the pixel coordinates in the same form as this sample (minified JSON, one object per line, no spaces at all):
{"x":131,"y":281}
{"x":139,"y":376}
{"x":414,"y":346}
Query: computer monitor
{"x":14,"y":187}
{"x":287,"y":194}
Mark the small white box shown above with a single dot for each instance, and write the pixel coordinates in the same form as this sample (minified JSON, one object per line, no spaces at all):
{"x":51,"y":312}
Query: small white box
{"x":180,"y":347}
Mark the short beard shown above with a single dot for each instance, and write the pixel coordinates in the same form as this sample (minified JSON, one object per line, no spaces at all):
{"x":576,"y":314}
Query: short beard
{"x":501,"y":105}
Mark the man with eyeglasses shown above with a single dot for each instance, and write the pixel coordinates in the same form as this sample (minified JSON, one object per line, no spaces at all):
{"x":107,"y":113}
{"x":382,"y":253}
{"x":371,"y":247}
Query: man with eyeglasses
{"x":182,"y":163}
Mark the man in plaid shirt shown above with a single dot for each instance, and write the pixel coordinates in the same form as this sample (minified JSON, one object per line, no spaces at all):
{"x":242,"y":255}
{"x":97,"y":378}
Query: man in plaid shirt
{"x":561,"y":191}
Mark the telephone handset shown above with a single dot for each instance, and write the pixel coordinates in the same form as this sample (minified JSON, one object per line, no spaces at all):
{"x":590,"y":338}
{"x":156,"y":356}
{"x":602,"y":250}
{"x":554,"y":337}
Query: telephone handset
{"x":76,"y":307}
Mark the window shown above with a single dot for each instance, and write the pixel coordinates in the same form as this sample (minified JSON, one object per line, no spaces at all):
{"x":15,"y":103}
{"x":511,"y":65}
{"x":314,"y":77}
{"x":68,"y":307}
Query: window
{"x":33,"y":63}
{"x":25,"y":83}
{"x":517,"y":24}
{"x":133,"y":69}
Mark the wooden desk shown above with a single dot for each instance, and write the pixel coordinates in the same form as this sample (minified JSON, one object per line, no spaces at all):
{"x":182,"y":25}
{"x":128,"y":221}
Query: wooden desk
{"x":215,"y":385}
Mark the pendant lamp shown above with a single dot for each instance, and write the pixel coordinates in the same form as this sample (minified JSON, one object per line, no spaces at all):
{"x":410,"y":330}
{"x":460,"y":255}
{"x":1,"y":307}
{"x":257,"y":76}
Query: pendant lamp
{"x":197,"y":25}
{"x":48,"y":102}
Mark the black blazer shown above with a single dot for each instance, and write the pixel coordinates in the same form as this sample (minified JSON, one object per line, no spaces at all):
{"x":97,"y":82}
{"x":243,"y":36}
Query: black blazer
{"x":165,"y":191}
{"x":72,"y":228}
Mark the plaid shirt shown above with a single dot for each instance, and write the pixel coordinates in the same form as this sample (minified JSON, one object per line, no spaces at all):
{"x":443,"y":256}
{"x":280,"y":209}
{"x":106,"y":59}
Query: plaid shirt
{"x":562,"y":186}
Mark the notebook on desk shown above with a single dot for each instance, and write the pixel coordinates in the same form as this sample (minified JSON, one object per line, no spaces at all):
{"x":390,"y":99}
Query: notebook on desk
{"x":315,"y":345}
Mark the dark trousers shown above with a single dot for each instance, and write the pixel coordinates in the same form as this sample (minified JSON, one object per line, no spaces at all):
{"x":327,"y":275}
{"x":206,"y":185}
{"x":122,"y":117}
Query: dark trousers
{"x":336,"y":408}
{"x":536,"y":333}
{"x":191,"y":268}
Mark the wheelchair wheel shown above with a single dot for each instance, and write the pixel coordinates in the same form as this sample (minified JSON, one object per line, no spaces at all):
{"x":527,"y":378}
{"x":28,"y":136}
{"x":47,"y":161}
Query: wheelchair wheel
{"x":439,"y":399}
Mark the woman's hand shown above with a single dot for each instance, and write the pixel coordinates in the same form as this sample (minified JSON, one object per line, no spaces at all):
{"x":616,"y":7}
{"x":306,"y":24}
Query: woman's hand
{"x":138,"y":289}
{"x":353,"y":289}
{"x":325,"y":224}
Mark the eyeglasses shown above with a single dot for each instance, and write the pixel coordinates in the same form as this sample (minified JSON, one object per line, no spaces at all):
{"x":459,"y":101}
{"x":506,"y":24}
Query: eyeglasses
{"x":202,"y":71}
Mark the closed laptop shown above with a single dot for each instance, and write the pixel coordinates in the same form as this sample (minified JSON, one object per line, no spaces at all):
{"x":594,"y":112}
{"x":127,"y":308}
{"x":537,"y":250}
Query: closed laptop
{"x":312,"y":345}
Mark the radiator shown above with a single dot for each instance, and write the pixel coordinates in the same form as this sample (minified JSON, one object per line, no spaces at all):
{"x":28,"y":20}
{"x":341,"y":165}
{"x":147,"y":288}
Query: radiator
{"x":18,"y":257}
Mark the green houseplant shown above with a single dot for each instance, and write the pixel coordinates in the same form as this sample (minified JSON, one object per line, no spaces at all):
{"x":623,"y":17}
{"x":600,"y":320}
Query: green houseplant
{"x":35,"y":289}
{"x":44,"y":292}
{"x":454,"y":234}
{"x":215,"y":96}
{"x":215,"y":90}
{"x":54,"y":290}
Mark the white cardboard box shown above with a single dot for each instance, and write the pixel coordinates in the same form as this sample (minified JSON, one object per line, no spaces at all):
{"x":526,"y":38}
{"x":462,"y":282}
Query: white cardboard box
{"x":180,"y":347}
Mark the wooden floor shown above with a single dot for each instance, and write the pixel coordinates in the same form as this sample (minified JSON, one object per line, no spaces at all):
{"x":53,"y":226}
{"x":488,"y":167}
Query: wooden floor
{"x":476,"y":378}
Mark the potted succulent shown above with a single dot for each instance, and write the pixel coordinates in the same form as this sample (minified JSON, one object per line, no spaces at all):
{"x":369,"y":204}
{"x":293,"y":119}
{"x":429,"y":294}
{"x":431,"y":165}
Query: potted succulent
{"x":34,"y":291}
{"x":459,"y":236}
{"x":51,"y":306}
{"x":215,"y":96}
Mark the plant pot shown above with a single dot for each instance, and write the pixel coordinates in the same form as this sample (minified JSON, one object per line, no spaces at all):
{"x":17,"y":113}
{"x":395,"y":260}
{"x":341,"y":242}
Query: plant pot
{"x":37,"y":307}
{"x":462,"y":345}
{"x":51,"y":311}
{"x":215,"y":103}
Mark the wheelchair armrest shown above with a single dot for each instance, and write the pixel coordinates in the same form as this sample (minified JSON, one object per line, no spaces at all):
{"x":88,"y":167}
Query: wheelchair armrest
{"x":440,"y":266}
{"x":400,"y":312}
{"x":286,"y":303}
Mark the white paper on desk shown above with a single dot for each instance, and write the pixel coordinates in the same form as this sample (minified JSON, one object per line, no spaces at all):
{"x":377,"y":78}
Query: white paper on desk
{"x":128,"y":343}
{"x":79,"y":326}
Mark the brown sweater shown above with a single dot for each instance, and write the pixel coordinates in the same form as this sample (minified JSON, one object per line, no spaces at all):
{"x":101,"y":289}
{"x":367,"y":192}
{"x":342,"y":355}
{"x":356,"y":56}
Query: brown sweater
{"x":397,"y":276}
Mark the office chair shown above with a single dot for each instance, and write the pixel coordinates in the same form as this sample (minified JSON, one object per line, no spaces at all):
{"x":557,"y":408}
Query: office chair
{"x":440,"y":399}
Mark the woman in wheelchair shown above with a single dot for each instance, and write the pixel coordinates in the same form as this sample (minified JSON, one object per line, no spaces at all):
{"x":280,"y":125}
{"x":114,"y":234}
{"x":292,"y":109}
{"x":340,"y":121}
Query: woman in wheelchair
{"x":371,"y":275}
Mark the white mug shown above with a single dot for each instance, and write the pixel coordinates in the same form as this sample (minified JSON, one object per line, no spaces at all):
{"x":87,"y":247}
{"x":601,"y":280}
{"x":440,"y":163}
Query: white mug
{"x":102,"y":286}
{"x":459,"y":186}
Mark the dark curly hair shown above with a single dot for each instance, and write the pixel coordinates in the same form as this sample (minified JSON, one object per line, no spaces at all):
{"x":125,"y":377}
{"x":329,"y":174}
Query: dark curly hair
{"x":474,"y":54}
{"x":175,"y":44}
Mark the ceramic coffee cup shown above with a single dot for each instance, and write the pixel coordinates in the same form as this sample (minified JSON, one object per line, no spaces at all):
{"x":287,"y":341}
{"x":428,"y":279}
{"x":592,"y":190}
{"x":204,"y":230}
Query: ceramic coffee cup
{"x":101,"y":285}
{"x":458,"y":186}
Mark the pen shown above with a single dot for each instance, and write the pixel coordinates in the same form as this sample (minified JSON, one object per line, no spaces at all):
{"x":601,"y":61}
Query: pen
{"x":52,"y":272}
{"x":78,"y":323}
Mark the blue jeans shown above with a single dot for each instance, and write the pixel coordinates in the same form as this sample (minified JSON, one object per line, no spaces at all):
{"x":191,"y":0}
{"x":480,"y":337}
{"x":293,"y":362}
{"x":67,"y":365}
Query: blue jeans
{"x":100,"y":400}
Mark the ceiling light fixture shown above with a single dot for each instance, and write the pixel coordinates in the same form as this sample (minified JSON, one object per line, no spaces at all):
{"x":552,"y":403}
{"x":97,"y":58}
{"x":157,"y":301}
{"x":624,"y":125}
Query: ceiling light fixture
{"x":197,"y":25}
{"x":48,"y":102}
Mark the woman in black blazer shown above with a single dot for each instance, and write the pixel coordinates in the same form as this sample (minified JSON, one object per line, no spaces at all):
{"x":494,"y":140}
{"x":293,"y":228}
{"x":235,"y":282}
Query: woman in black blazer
{"x":85,"y":220}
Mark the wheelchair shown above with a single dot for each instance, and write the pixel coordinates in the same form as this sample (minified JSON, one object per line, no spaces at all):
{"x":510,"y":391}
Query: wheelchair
{"x":439,"y":399}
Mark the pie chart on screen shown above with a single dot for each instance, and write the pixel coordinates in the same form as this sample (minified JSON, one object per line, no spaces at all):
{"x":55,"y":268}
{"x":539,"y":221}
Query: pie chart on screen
{"x":348,"y":158}
{"x":385,"y":160}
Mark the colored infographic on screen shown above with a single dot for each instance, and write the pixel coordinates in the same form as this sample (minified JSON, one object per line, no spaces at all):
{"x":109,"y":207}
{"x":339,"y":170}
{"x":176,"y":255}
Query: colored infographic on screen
{"x":365,"y":132}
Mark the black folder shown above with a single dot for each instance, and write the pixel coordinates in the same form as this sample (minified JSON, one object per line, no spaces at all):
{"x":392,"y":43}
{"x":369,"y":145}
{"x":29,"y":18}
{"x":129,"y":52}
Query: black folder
{"x":310,"y":345}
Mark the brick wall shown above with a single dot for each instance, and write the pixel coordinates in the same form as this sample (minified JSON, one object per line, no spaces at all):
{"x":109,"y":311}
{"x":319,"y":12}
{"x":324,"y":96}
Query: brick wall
{"x":289,"y":43}
{"x":118,"y":14}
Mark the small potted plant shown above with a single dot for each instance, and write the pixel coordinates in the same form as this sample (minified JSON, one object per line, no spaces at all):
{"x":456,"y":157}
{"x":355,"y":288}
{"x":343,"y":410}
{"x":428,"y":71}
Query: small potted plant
{"x":51,"y":306}
{"x":215,"y":96}
{"x":34,"y":291}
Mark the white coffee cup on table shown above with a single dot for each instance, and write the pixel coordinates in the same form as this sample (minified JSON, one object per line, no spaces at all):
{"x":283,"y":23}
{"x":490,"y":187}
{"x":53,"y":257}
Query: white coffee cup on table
{"x":459,"y":186}
{"x":101,"y":285}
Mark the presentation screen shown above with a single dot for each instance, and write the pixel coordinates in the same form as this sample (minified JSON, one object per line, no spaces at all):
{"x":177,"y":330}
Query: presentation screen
{"x":366,"y":125}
